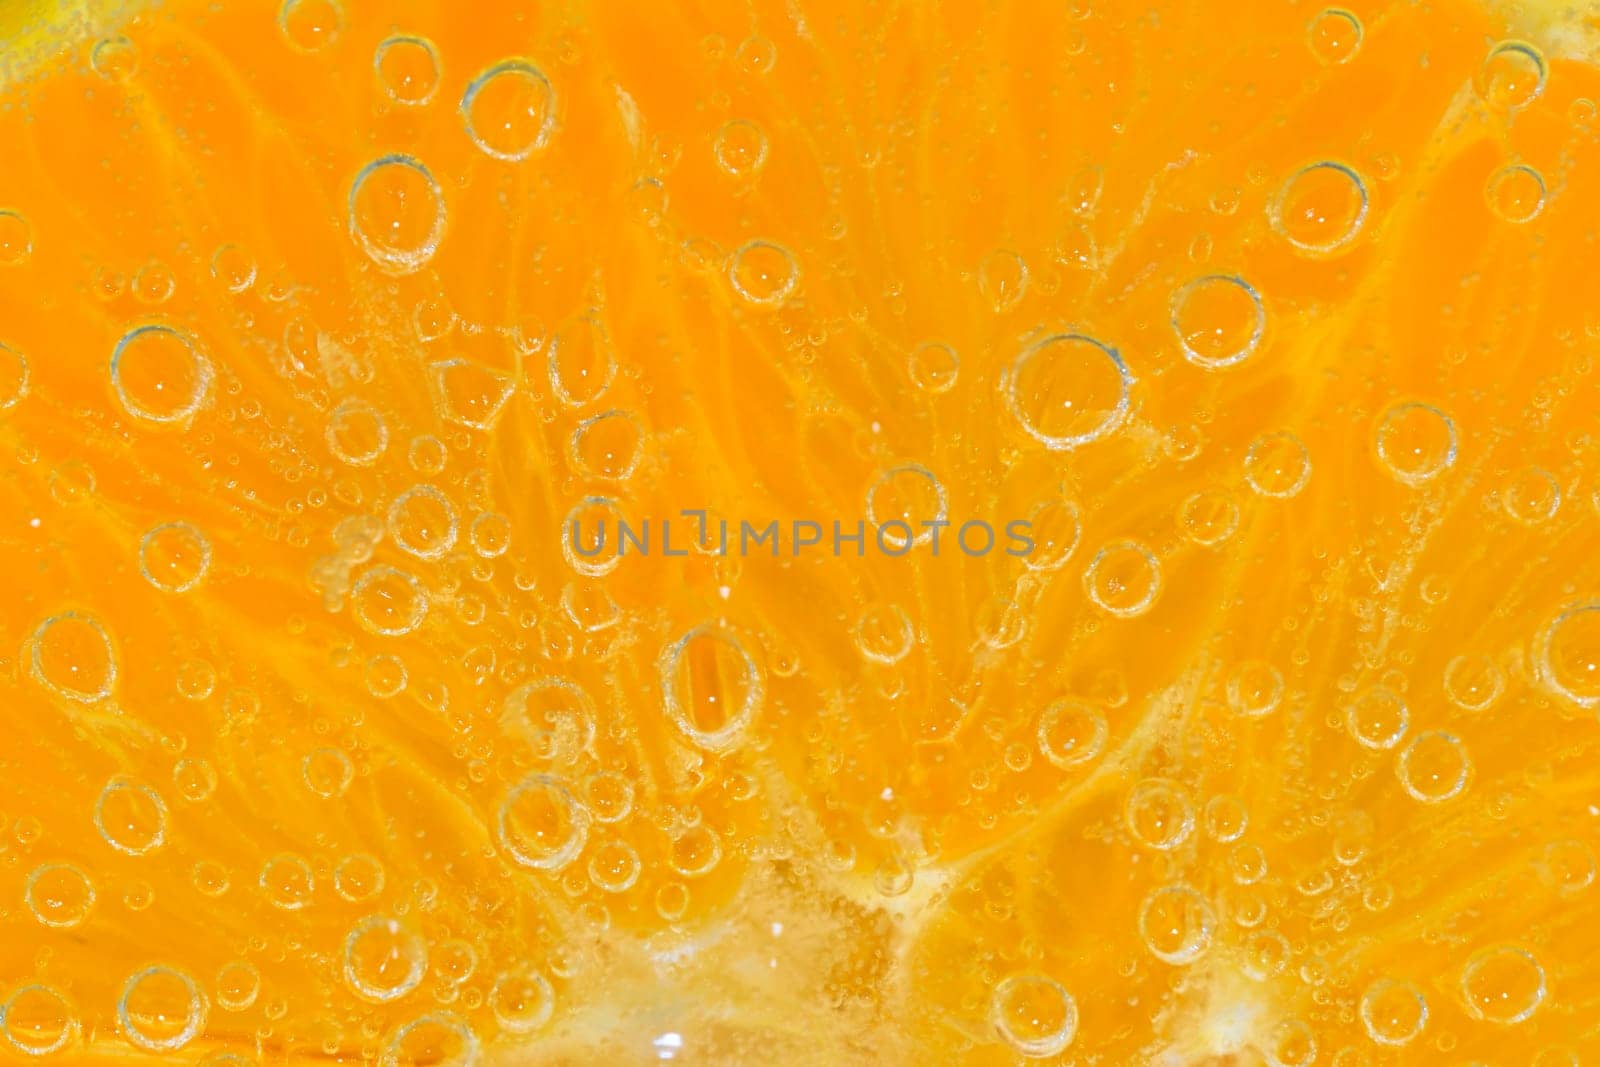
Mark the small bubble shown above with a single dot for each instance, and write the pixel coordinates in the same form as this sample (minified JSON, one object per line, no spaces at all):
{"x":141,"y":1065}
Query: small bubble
{"x":438,"y":1039}
{"x":933,"y":367}
{"x":358,"y":877}
{"x":1320,"y":209}
{"x":1123,"y":579}
{"x":1208,"y":517}
{"x":467,"y":393}
{"x":72,"y":656}
{"x":509,"y":110}
{"x":159,"y":374}
{"x":455,"y":961}
{"x":756,"y":55}
{"x":131,"y":816}
{"x":610,"y":796}
{"x":16,"y":239}
{"x":196,"y":779}
{"x":1033,"y":1014}
{"x":37,"y":1020}
{"x":115,"y":58}
{"x":407,"y":69}
{"x":1291,"y":1044}
{"x":310,"y":25}
{"x":1277,"y":465}
{"x":1567,"y":653}
{"x":1057,"y":527}
{"x":1393,"y":1012}
{"x":1226,"y":818}
{"x":1515,"y":193}
{"x":1003,"y":280}
{"x":383,"y":960}
{"x":672,"y":900}
{"x":606,"y":445}
{"x":14,"y":377}
{"x":59,"y":895}
{"x":522,"y":1001}
{"x":1532,"y":496}
{"x":555,"y":714}
{"x":288,"y":881}
{"x":1377,"y":719}
{"x":327,"y":772}
{"x":740,"y":148}
{"x":388,"y":601}
{"x":540,"y":825}
{"x":1473,"y":682}
{"x":161,"y":1009}
{"x":695,"y":852}
{"x":582,"y":362}
{"x":1159,"y":814}
{"x":154,"y":283}
{"x":1415,"y":442}
{"x":422,"y":521}
{"x":613,"y":866}
{"x":234,"y":268}
{"x":1512,"y":76}
{"x":490,"y":534}
{"x":1176,"y":924}
{"x":210,"y":878}
{"x":1434,"y":767}
{"x":884,"y":633}
{"x":1067,"y":390}
{"x":356,"y":434}
{"x":1334,"y":36}
{"x":710,"y":687}
{"x":237,"y":986}
{"x":72,"y":483}
{"x":396,"y":213}
{"x":1503,"y":984}
{"x":1568,"y":865}
{"x":1072,"y":731}
{"x":763,"y":273}
{"x":174,"y":557}
{"x":902,"y":502}
{"x":1255,"y":688}
{"x":1219,"y":320}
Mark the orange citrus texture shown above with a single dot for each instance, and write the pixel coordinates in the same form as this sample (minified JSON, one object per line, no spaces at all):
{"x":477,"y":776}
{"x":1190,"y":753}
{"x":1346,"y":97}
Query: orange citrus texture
{"x":1278,"y":324}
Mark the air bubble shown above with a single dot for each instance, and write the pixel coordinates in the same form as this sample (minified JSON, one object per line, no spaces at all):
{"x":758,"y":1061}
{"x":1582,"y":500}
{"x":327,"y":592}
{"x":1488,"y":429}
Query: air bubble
{"x":763,"y":273}
{"x":711,"y":688}
{"x":1209,"y":517}
{"x":1057,"y":527}
{"x":1033,"y":1014}
{"x":933,"y":367}
{"x":396,"y":213}
{"x":1226,"y":818}
{"x":37,"y":1020}
{"x":1255,"y":688}
{"x":1377,"y":718}
{"x":695,"y":851}
{"x":540,"y":825}
{"x":422,"y":521}
{"x":1067,"y":390}
{"x":237,"y":986}
{"x":288,"y":881}
{"x":1473,"y":682}
{"x":613,"y":866}
{"x":1568,"y":866}
{"x":1416,"y":442}
{"x":438,"y":1039}
{"x":582,"y":362}
{"x":15,"y":377}
{"x":161,"y":1009}
{"x":327,"y":772}
{"x":1503,"y":984}
{"x":383,"y":960}
{"x":131,"y":817}
{"x":740,"y":148}
{"x":1159,"y":814}
{"x":1434,"y":767}
{"x":1320,"y":209}
{"x":1393,"y":1012}
{"x":174,"y":557}
{"x":195,"y":778}
{"x":509,"y":110}
{"x":606,"y":445}
{"x":71,"y":655}
{"x":234,"y":268}
{"x":388,"y":601}
{"x":1512,"y":76}
{"x":1176,"y":924}
{"x":1123,"y":579}
{"x":522,"y":1001}
{"x":1532,"y":496}
{"x":610,"y":796}
{"x":901,"y":503}
{"x":356,"y":434}
{"x":467,"y":393}
{"x":555,"y":714}
{"x":358,"y":877}
{"x":1003,"y":280}
{"x":59,"y":895}
{"x":1219,"y":320}
{"x":407,"y":69}
{"x":1566,"y":653}
{"x":16,"y":239}
{"x":1334,"y":36}
{"x":159,"y":375}
{"x":1277,"y":465}
{"x":884,"y":634}
{"x":1515,"y":193}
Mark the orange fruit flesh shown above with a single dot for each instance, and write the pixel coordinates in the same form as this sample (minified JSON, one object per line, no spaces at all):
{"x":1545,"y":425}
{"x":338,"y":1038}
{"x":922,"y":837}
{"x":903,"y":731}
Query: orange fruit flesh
{"x":1277,"y":749}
